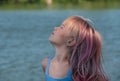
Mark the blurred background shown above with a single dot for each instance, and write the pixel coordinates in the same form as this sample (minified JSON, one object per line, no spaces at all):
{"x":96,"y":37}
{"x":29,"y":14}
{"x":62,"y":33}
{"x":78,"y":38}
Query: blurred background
{"x":25,"y":26}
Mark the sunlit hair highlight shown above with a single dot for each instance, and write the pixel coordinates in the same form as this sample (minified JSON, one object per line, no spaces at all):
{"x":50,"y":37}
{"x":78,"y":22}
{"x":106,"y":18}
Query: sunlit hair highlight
{"x":85,"y":59}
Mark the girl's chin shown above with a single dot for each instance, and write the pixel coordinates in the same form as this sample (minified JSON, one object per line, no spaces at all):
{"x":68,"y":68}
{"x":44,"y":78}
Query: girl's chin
{"x":50,"y":39}
{"x":52,"y":42}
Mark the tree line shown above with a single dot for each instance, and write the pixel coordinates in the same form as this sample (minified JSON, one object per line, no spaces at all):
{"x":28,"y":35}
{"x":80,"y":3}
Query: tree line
{"x":18,"y":1}
{"x":53,"y":1}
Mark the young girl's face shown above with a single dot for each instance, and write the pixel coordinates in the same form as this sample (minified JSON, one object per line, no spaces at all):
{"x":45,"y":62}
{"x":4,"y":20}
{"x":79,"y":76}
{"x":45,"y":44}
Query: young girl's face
{"x":59,"y":35}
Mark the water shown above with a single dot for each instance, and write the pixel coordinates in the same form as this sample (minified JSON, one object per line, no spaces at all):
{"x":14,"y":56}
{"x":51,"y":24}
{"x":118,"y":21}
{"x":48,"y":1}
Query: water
{"x":24,"y":41}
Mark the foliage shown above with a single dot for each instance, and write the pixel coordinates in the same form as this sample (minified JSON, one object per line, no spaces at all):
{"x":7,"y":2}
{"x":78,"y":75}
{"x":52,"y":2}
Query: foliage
{"x":54,"y":1}
{"x":38,"y":4}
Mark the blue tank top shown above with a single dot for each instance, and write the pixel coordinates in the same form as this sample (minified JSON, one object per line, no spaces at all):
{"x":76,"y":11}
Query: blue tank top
{"x":50,"y":78}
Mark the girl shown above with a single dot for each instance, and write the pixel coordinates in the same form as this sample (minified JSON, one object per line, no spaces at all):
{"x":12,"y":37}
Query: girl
{"x":78,"y":50}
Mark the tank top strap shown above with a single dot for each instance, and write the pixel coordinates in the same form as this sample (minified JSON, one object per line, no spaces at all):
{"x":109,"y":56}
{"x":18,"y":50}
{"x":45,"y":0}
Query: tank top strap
{"x":69,"y":71}
{"x":48,"y":63}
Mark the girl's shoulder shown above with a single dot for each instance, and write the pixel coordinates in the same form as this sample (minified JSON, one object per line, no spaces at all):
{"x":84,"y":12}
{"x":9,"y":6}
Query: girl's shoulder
{"x":44,"y":63}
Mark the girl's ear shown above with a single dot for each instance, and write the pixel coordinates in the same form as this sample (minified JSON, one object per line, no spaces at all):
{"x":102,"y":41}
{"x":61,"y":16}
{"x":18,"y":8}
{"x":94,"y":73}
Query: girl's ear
{"x":71,"y":41}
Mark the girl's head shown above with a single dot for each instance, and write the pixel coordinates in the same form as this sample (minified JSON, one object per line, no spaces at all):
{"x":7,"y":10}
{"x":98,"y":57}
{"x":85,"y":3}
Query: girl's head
{"x":63,"y":35}
{"x":85,"y":43}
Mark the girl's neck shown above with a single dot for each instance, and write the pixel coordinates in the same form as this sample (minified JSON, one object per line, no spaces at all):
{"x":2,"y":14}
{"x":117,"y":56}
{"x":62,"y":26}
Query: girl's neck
{"x":62,"y":54}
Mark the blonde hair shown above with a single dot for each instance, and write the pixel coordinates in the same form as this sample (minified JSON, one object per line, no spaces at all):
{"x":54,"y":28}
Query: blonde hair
{"x":85,"y":57}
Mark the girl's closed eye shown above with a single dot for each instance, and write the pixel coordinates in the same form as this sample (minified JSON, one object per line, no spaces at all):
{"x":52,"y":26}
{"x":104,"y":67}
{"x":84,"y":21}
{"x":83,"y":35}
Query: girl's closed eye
{"x":61,"y":26}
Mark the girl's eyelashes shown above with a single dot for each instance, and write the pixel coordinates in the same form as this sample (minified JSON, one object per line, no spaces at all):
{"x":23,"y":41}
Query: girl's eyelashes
{"x":61,"y":26}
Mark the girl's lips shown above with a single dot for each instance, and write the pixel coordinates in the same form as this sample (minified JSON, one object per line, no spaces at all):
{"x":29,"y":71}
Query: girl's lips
{"x":52,"y":33}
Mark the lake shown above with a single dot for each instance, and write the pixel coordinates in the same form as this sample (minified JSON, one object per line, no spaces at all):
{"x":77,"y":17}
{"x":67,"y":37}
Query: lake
{"x":24,"y":41}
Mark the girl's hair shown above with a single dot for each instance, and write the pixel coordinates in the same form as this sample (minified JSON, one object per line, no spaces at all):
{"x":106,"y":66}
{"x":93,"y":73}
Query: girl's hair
{"x":85,"y":57}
